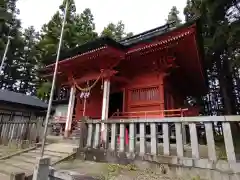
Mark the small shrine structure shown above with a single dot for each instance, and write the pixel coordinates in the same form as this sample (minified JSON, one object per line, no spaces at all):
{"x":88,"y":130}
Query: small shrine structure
{"x":147,"y":75}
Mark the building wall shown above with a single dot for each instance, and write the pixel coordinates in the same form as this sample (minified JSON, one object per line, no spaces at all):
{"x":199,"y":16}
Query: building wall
{"x":144,"y":93}
{"x":93,"y":105}
{"x":60,"y":112}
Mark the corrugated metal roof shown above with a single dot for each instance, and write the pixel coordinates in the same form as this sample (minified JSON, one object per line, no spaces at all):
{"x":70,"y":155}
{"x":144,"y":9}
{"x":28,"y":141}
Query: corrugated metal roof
{"x":18,"y":98}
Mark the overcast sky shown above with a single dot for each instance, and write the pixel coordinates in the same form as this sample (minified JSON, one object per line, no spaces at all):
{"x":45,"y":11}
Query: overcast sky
{"x":137,"y":15}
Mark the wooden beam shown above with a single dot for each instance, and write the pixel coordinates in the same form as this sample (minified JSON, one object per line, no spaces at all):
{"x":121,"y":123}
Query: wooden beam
{"x":92,"y":76}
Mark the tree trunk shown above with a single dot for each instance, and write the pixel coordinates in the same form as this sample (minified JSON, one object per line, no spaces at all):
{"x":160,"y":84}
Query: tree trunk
{"x":226,"y":86}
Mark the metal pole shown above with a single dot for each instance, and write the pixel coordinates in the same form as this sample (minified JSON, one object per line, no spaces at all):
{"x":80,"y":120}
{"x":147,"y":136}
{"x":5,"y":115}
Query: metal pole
{"x":53,"y":82}
{"x":5,"y":54}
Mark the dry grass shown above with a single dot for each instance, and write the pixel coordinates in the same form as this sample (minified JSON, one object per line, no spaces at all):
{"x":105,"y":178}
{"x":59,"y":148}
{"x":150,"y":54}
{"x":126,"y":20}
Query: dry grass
{"x":107,"y":171}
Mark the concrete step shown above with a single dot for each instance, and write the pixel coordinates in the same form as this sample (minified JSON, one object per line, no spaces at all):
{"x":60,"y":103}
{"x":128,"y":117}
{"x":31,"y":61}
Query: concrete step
{"x":51,"y":153}
{"x":33,"y":157}
{"x":25,"y":159}
{"x":21,"y":164}
{"x":61,"y":147}
{"x":4,"y":177}
{"x":36,"y":154}
{"x":9,"y":169}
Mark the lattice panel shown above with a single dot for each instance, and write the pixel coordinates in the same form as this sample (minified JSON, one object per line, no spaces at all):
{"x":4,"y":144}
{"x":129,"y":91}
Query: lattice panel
{"x":145,"y":94}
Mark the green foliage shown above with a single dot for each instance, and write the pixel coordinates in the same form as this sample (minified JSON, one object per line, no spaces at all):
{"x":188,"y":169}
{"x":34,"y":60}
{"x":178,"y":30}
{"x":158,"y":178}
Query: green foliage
{"x":173,"y":16}
{"x":79,"y":29}
{"x":116,"y":31}
{"x":14,"y":54}
{"x":196,"y":178}
{"x":44,"y":89}
{"x":221,"y":33}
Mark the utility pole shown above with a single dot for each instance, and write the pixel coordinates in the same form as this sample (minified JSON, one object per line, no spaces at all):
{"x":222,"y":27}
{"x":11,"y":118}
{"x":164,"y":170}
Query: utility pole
{"x":53,"y":81}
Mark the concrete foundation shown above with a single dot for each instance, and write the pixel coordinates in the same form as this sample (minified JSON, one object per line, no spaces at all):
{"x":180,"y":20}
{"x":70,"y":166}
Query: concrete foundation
{"x":182,"y":166}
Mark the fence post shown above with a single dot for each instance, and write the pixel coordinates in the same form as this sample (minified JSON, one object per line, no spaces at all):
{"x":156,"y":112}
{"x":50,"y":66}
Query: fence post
{"x":89,"y":137}
{"x":113,"y":136}
{"x":166,"y":141}
{"x":132,"y":134}
{"x":122,"y":138}
{"x":228,"y":140}
{"x":194,"y":140}
{"x":154,"y":140}
{"x":142,"y":139}
{"x":83,"y":133}
{"x":96,"y":136}
{"x":42,"y":169}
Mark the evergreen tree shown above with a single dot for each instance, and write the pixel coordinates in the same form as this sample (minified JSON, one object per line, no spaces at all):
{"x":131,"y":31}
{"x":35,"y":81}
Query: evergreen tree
{"x":220,"y":30}
{"x":12,"y":27}
{"x":79,"y":29}
{"x":173,"y":16}
{"x":116,"y":31}
{"x":28,"y":65}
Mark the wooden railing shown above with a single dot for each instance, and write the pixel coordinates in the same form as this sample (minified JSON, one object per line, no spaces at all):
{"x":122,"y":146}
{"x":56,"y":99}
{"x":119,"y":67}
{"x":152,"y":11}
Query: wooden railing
{"x":201,"y":156}
{"x":149,"y":114}
{"x":62,"y":119}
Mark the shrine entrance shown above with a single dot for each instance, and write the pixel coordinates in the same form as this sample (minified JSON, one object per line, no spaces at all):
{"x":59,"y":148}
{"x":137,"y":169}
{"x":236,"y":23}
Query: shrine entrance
{"x":115,"y":103}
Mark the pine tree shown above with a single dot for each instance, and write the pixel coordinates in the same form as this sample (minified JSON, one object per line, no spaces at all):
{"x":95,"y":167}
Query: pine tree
{"x":79,"y":29}
{"x":173,"y":16}
{"x":220,"y":30}
{"x":28,"y":65}
{"x":12,"y":28}
{"x":116,"y":31}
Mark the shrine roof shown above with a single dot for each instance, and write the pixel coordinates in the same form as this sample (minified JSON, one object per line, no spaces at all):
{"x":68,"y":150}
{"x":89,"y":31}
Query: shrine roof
{"x":90,"y":46}
{"x":126,"y":43}
{"x":149,"y":35}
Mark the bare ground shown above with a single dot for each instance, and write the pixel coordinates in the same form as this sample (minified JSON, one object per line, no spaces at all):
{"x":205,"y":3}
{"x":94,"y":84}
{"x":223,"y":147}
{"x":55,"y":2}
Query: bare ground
{"x":105,"y":171}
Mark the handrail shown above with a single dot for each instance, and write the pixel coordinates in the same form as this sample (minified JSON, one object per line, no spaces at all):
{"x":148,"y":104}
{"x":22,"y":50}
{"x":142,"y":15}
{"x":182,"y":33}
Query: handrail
{"x":164,"y":113}
{"x":62,"y":118}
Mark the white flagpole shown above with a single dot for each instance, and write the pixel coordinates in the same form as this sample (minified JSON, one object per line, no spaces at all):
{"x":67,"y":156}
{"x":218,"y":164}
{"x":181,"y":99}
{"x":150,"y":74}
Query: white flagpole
{"x":5,"y":54}
{"x":53,"y":82}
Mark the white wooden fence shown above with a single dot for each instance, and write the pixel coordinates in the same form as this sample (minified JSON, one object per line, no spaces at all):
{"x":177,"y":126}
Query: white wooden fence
{"x":18,"y":128}
{"x":153,"y":150}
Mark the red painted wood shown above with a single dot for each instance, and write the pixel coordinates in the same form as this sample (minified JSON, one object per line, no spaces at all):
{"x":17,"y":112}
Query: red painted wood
{"x":143,"y":67}
{"x":144,"y":81}
{"x":93,"y":106}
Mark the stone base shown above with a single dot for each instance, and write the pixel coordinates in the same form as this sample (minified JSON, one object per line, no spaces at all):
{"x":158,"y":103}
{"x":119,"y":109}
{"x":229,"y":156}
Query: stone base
{"x":181,"y":166}
{"x":67,"y":134}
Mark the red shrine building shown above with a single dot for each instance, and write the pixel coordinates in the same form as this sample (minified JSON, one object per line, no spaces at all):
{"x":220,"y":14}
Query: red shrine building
{"x":148,"y":75}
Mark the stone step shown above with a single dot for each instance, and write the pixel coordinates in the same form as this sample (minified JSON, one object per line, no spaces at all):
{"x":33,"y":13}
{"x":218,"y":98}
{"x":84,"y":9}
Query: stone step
{"x":25,"y":159}
{"x":5,"y":177}
{"x":21,"y":164}
{"x":35,"y":156}
{"x":9,"y":169}
{"x":51,"y":153}
{"x":61,"y":147}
